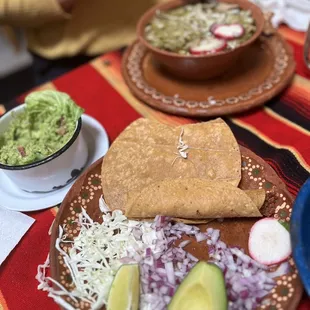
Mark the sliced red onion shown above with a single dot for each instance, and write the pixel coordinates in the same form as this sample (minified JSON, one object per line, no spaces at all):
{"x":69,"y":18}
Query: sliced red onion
{"x":201,"y":237}
{"x":160,"y":221}
{"x":184,"y":243}
{"x":192,"y":257}
{"x":137,"y":233}
{"x":153,"y":285}
{"x":164,"y":290}
{"x":149,"y":260}
{"x":210,"y":231}
{"x":215,"y":236}
{"x":246,"y":280}
{"x":170,"y":272}
{"x":164,"y":268}
{"x":148,"y":252}
{"x":167,"y":299}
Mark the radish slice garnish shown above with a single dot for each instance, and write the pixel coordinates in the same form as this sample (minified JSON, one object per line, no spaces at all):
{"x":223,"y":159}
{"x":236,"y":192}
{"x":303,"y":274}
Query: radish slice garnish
{"x":269,"y":242}
{"x":227,"y":32}
{"x":207,"y":46}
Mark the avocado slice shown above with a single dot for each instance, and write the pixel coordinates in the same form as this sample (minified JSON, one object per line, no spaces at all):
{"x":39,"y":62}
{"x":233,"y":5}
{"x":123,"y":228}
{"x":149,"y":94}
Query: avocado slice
{"x":202,"y":289}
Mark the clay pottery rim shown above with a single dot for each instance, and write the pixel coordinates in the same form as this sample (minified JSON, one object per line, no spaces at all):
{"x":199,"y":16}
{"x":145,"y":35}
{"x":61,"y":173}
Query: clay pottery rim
{"x":244,"y":4}
{"x":75,"y":191}
{"x":254,"y":101}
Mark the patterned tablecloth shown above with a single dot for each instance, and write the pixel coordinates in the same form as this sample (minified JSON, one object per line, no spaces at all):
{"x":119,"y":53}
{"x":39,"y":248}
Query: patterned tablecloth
{"x":278,"y":132}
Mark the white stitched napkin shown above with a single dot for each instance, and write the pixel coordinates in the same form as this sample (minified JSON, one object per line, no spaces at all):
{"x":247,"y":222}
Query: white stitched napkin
{"x":13,"y":225}
{"x":293,"y":13}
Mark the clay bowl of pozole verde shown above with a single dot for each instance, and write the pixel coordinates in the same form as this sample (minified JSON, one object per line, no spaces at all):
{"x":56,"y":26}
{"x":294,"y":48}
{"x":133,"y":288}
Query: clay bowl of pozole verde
{"x":41,"y":145}
{"x":200,"y":40}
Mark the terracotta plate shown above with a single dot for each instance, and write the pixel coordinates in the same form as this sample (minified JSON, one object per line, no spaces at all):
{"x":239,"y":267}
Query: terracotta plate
{"x":255,"y":174}
{"x":261,"y":74}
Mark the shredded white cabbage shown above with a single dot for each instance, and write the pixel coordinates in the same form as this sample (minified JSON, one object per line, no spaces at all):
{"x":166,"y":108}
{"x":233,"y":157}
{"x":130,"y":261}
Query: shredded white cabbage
{"x":103,"y":206}
{"x":96,"y":254}
{"x":44,"y":285}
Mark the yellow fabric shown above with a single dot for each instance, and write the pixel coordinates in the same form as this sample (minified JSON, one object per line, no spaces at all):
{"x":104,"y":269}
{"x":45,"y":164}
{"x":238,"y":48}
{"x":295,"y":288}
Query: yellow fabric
{"x":93,"y":27}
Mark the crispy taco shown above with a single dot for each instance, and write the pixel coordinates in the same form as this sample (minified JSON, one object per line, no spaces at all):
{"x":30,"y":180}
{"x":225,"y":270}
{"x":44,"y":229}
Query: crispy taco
{"x":148,"y":152}
{"x":194,"y":199}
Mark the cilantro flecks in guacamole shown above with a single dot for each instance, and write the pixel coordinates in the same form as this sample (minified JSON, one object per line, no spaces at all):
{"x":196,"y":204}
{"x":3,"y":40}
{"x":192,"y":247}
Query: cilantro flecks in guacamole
{"x":45,"y":126}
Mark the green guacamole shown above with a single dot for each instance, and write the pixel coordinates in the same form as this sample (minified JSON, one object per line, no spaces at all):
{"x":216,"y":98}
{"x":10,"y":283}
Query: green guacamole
{"x":45,"y":126}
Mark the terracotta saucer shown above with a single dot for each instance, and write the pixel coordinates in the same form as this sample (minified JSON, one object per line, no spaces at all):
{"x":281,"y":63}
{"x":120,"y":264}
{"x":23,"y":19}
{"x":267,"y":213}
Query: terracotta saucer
{"x":263,"y":73}
{"x":256,"y":173}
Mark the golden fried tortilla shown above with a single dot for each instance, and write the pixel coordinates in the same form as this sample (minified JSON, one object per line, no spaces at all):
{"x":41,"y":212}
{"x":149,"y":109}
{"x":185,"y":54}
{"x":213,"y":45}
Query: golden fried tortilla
{"x":147,"y":152}
{"x":194,"y":198}
{"x":257,"y":196}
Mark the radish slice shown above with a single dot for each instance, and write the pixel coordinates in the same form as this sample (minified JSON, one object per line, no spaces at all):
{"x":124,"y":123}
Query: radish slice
{"x":269,"y":242}
{"x":227,"y":32}
{"x":208,"y":46}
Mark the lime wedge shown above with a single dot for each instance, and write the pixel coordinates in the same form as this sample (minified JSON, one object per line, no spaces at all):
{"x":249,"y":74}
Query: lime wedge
{"x":125,"y":290}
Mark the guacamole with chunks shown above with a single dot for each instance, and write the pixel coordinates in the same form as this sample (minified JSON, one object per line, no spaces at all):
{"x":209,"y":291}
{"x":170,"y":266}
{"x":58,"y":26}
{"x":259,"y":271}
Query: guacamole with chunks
{"x":45,"y":126}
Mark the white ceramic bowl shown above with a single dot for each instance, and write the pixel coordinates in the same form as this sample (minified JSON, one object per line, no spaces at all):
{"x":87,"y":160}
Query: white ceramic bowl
{"x":52,"y":172}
